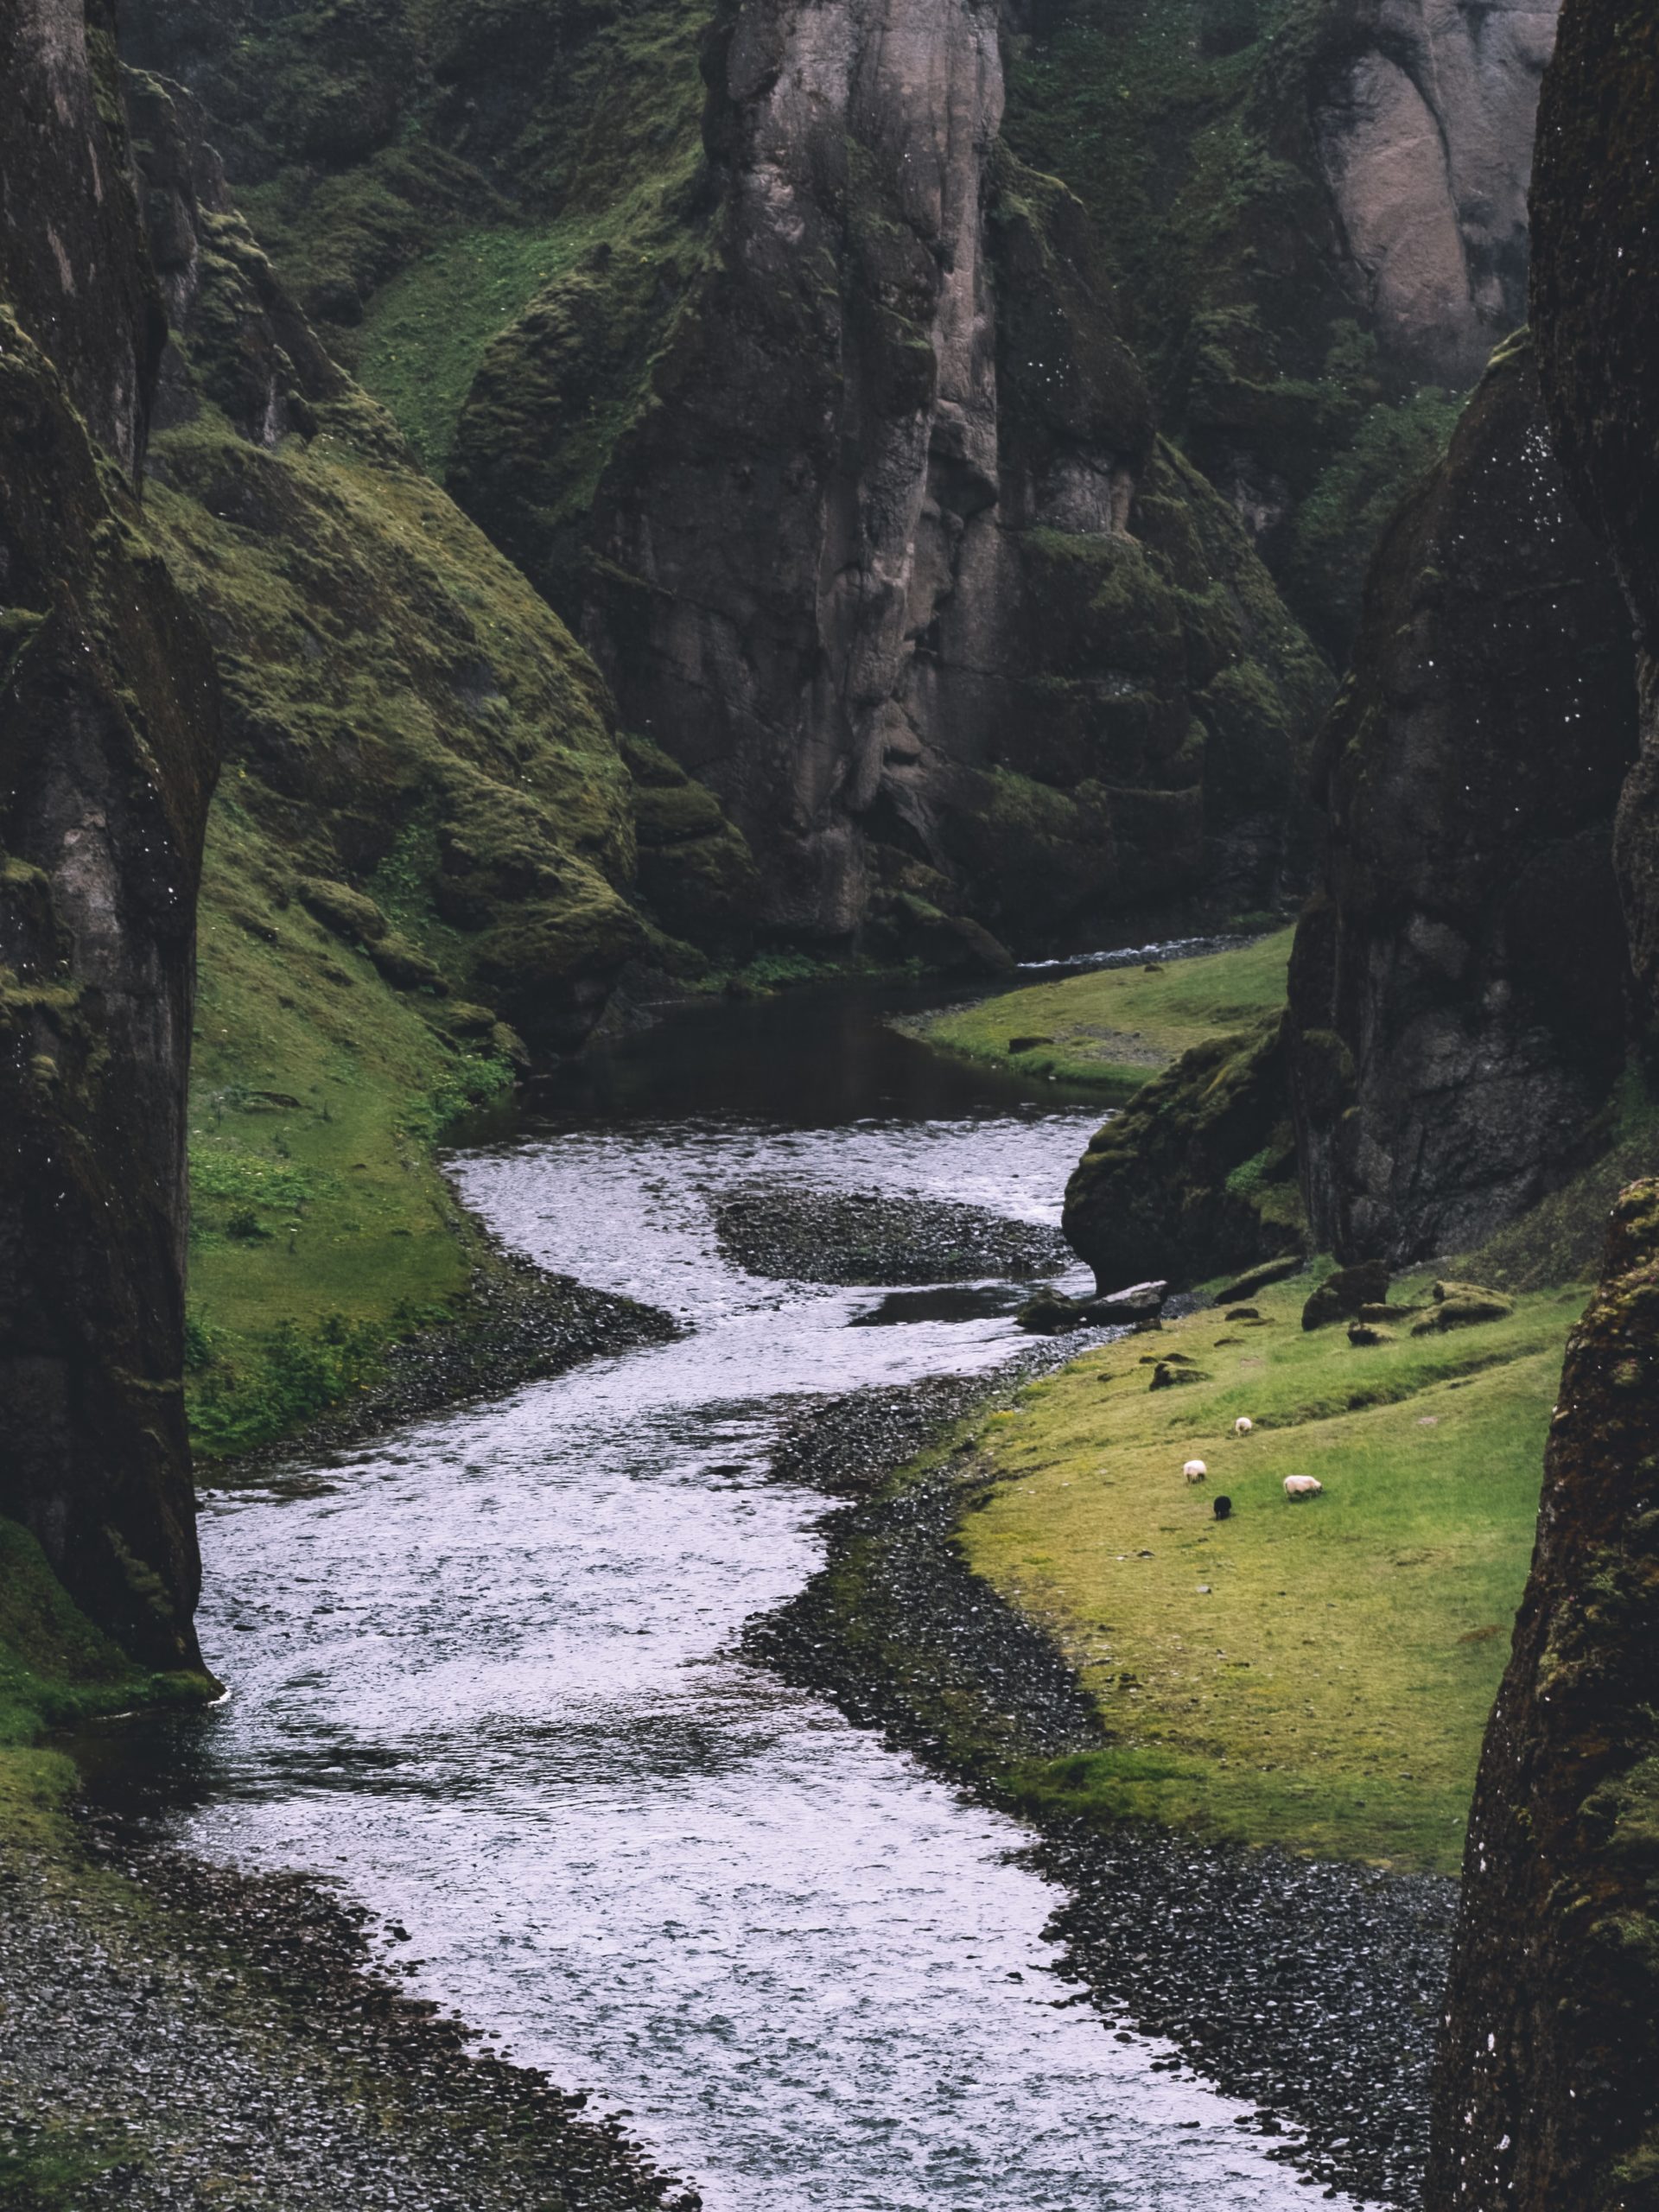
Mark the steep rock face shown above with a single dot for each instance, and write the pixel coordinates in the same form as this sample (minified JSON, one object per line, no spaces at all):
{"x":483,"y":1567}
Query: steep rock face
{"x":109,"y":735}
{"x":1595,"y":210}
{"x":1423,"y":123}
{"x":1309,"y":206}
{"x":1545,"y":2093}
{"x":1456,"y":991}
{"x":888,"y":554}
{"x":69,"y":262}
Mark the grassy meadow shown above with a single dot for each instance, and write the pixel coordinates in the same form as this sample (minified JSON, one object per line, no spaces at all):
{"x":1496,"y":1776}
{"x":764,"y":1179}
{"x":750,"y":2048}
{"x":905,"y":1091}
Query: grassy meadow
{"x":1315,"y":1675}
{"x":1114,"y":1027}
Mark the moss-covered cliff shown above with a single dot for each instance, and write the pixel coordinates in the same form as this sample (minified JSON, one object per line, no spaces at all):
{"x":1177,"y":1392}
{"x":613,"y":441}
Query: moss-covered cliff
{"x":424,"y":869}
{"x":109,"y":741}
{"x":1545,"y":2096}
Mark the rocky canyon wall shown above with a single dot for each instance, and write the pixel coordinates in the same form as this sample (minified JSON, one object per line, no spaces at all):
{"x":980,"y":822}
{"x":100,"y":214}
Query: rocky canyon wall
{"x":1423,"y":121}
{"x":1546,"y":2095}
{"x":109,"y":733}
{"x":1458,"y":989}
{"x":891,"y":556}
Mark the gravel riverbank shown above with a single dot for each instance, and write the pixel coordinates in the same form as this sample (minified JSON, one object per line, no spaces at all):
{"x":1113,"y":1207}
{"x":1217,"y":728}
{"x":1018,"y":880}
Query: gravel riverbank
{"x":173,"y":2035}
{"x":861,"y":1237}
{"x":517,"y":1323}
{"x":1311,"y":1988}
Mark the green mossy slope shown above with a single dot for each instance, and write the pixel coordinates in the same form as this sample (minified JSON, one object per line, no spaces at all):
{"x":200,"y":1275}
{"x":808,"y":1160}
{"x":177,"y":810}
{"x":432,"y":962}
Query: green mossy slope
{"x":421,"y":868}
{"x":1317,"y":1674}
{"x":1116,"y":1029}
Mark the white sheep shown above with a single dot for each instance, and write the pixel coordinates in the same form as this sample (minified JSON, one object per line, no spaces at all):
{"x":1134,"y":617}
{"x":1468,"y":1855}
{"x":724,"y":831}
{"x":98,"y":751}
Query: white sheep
{"x":1300,"y":1486}
{"x":1243,"y":1426}
{"x":1195,"y":1471}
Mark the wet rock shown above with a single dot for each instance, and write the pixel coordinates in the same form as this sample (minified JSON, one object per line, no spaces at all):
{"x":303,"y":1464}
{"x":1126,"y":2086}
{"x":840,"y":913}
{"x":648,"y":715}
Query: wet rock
{"x":1051,"y":1313}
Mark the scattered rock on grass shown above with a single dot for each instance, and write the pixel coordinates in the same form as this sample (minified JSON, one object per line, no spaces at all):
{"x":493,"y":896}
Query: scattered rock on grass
{"x":1340,"y":1297}
{"x":1461,"y":1305}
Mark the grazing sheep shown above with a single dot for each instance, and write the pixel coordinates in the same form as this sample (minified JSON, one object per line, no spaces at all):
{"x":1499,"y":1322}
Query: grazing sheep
{"x":1300,"y":1486}
{"x":1243,"y":1426}
{"x":1195,"y":1471}
{"x":1223,"y":1509}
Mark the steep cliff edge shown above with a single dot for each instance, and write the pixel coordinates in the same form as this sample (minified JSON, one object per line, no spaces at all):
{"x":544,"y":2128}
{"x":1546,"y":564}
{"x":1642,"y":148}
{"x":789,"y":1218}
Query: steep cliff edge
{"x":1457,"y":1024}
{"x":1457,"y":991}
{"x":1315,"y":212}
{"x":1594,"y":210}
{"x":109,"y":739}
{"x":883,"y":547}
{"x":1546,"y":2095}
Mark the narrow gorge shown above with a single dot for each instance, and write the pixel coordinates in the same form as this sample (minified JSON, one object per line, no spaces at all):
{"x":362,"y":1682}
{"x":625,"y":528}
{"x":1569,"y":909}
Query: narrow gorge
{"x":826,"y":971}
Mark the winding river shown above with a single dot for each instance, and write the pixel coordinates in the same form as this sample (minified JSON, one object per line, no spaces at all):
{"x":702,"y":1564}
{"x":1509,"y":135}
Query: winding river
{"x":485,"y":1675}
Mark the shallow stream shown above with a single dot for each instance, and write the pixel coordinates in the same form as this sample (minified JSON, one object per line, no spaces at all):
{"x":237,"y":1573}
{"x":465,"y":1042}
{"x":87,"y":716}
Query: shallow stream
{"x":485,"y":1675}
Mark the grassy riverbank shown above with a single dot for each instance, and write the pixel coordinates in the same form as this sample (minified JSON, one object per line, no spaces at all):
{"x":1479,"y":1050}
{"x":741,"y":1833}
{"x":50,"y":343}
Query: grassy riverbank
{"x":1116,"y":1026}
{"x":1319,"y":1674}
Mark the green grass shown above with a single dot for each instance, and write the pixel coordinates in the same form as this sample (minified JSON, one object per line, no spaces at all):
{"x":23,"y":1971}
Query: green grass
{"x":1114,"y":1028}
{"x":424,"y":336}
{"x":1317,"y":1675}
{"x":321,"y":1228}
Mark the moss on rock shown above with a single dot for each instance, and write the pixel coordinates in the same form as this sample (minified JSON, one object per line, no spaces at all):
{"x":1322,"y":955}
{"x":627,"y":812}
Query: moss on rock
{"x":1196,"y":1175}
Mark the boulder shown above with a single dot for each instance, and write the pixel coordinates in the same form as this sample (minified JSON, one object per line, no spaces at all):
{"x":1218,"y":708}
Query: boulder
{"x":1461,"y":1305}
{"x":1342,"y":1296}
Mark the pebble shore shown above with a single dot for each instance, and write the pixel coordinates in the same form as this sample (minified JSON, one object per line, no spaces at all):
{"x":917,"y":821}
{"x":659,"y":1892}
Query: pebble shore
{"x":1312,"y":1989}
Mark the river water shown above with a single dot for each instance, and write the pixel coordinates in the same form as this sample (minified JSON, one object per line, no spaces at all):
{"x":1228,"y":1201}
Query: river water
{"x":485,"y":1675}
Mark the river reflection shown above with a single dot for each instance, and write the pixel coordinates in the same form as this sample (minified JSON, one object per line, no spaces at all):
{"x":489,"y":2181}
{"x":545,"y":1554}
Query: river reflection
{"x":485,"y":1675}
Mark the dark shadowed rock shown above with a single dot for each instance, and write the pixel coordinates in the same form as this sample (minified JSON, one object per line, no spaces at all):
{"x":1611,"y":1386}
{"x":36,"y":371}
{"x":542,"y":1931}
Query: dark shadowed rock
{"x":1197,"y":1175}
{"x":1597,"y":214}
{"x":1456,"y":993}
{"x":1547,"y":2096}
{"x":109,"y":739}
{"x":1345,"y":1295}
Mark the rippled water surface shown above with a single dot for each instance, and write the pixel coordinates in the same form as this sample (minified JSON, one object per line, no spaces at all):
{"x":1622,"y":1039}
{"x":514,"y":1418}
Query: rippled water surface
{"x":485,"y":1675}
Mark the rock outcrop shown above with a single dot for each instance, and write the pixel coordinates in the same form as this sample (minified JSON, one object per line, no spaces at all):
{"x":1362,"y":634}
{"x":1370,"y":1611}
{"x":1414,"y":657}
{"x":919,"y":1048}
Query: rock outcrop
{"x":430,"y":758}
{"x":1457,"y":989}
{"x":1196,"y":1175}
{"x":1546,"y":2094}
{"x":1422,"y":118}
{"x":1595,"y":210}
{"x":888,"y":553}
{"x":109,"y":741}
